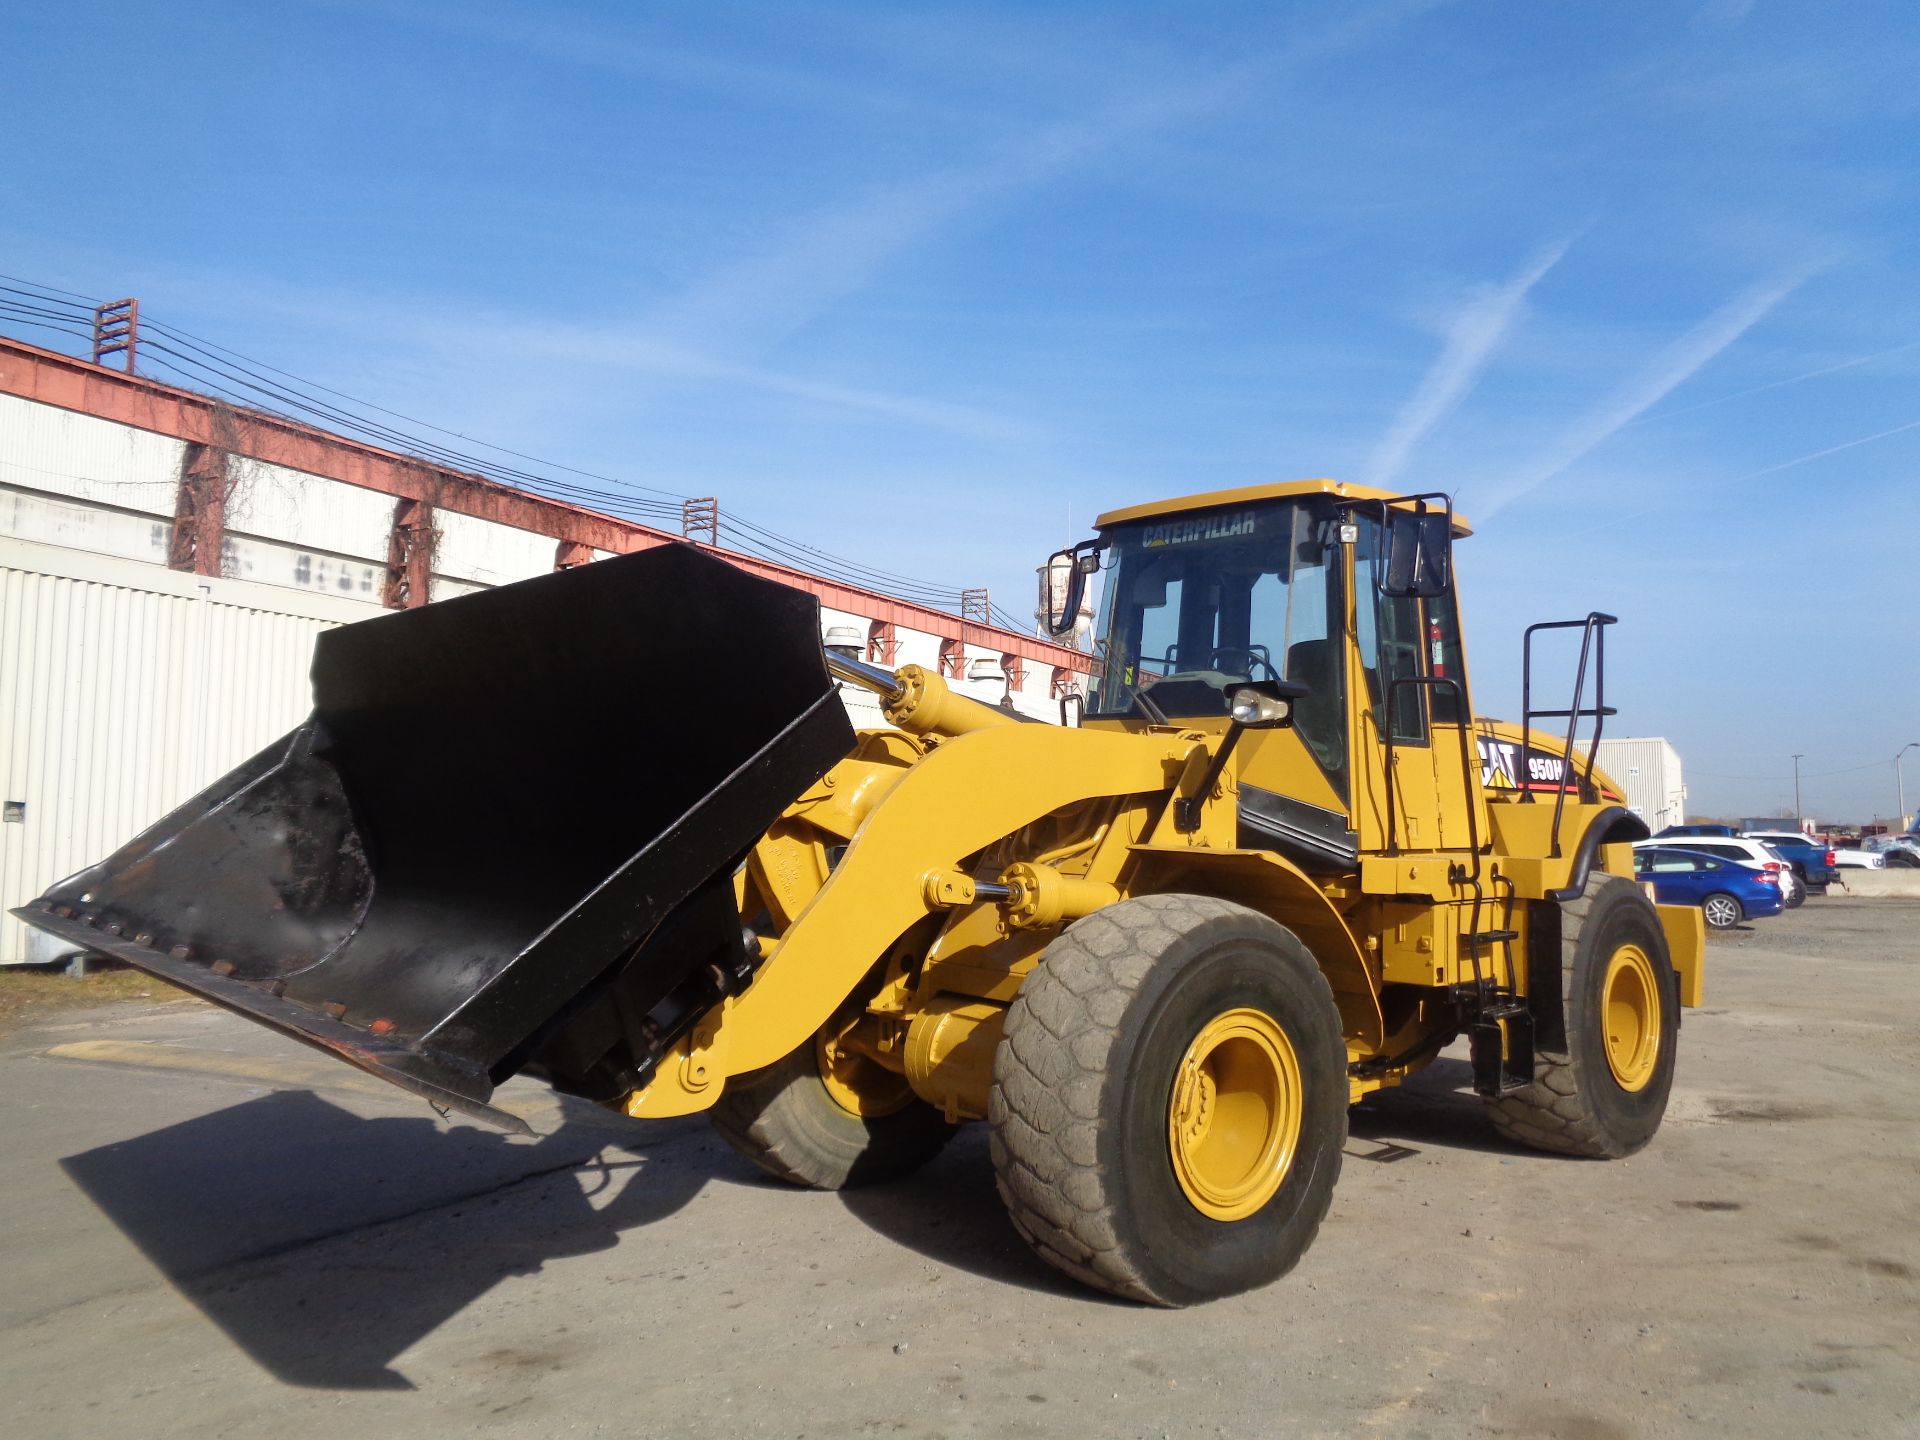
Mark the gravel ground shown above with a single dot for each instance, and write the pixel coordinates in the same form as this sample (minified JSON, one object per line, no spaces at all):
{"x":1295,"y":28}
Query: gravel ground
{"x":214,"y":1233}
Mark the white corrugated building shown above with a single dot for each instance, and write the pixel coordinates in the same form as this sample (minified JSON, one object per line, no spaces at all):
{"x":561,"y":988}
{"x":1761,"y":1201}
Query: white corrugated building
{"x":1649,"y":772}
{"x":166,"y":561}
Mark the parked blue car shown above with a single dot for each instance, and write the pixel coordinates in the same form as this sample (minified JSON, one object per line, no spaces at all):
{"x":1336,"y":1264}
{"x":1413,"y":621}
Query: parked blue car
{"x":1676,"y":830}
{"x":1726,"y":893}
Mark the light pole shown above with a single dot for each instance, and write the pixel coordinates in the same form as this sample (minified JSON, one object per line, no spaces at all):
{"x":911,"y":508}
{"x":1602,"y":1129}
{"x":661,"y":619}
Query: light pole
{"x":1900,"y":789}
{"x":1797,"y":816}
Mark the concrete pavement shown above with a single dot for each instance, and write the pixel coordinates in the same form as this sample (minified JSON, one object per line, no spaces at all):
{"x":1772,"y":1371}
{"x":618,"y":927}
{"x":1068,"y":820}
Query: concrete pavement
{"x":213,"y":1232}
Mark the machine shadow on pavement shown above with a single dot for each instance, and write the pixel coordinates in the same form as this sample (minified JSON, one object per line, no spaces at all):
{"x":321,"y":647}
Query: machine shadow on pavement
{"x":277,"y":1218}
{"x":951,"y":1213}
{"x":1437,"y":1106}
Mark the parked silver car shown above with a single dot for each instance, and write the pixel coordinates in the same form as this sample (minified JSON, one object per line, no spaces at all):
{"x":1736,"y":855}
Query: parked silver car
{"x":1902,"y":849}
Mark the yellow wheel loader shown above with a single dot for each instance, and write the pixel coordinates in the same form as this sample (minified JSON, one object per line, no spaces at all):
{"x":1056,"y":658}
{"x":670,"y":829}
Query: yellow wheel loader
{"x":611,"y":828}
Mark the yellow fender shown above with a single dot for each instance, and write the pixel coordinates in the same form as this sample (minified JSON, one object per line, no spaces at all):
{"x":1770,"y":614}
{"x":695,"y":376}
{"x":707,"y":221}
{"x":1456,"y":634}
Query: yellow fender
{"x":1275,"y":886}
{"x":971,"y":791}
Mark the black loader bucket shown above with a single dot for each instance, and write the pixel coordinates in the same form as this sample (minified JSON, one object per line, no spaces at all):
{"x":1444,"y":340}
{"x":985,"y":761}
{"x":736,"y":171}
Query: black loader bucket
{"x":504,"y":840}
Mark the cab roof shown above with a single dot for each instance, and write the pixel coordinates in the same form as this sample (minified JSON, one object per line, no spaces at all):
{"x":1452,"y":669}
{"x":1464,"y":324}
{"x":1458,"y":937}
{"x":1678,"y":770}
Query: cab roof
{"x":1276,"y":490}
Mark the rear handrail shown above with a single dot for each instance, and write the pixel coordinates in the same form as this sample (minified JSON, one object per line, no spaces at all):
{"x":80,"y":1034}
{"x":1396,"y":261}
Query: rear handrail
{"x":1593,"y":644}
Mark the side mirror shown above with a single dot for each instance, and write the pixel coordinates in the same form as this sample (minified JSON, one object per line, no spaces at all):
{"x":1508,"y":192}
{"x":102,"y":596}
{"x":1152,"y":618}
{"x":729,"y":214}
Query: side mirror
{"x":1419,"y":553}
{"x":1264,"y":704}
{"x":1063,"y":584}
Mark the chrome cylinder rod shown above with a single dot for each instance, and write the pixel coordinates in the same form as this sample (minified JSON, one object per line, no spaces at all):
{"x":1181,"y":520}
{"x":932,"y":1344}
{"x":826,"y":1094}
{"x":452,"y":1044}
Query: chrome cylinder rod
{"x":858,"y":672}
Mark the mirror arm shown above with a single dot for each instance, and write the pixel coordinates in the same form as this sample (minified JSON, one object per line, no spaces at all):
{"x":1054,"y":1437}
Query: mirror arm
{"x":1186,"y":808}
{"x":1076,"y":585}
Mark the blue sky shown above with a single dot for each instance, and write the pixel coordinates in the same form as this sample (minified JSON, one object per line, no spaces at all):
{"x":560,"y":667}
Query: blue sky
{"x":926,"y":285}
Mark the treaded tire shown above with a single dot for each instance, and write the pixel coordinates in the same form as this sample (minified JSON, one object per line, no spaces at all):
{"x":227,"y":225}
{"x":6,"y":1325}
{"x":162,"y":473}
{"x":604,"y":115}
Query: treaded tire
{"x":1575,"y":1106}
{"x":784,"y":1121}
{"x":1084,"y":1077}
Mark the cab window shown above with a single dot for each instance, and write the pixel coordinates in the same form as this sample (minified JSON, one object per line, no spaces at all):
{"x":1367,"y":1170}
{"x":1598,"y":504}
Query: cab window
{"x":1200,"y":602}
{"x":1389,"y":632}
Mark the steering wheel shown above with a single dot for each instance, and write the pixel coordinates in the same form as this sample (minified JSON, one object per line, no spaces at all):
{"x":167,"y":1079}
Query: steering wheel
{"x":1229,"y":657}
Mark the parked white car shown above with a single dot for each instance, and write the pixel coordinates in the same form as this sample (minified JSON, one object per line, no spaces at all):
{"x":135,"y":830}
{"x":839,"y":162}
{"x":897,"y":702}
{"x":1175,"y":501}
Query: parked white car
{"x":1738,"y":848}
{"x":1859,"y":859}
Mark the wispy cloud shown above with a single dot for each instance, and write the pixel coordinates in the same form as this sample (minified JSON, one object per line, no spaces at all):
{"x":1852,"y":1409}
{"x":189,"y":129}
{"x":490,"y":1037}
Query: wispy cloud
{"x":723,"y":328}
{"x":1799,"y":379}
{"x":820,"y":259}
{"x":1660,"y":377}
{"x":1699,"y":485}
{"x":613,"y":350}
{"x":1472,"y":336}
{"x":1822,"y":454}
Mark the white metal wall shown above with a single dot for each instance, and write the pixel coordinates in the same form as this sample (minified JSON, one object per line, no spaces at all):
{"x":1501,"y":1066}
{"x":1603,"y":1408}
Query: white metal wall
{"x":124,"y":689}
{"x":62,"y":452}
{"x":1649,"y":771}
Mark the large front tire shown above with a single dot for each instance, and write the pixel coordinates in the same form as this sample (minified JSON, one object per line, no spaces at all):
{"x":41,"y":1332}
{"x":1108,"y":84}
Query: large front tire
{"x":1169,"y":1100}
{"x":1604,"y":1094}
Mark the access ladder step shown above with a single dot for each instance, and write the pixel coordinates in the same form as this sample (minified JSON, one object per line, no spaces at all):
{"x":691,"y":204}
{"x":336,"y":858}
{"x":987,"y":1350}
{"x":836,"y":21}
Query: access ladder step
{"x":1501,"y":1048}
{"x":1477,"y":938}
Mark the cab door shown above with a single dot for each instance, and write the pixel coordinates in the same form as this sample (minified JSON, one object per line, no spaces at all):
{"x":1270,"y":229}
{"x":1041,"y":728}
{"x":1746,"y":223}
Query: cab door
{"x":1295,"y":783}
{"x":1418,"y":789}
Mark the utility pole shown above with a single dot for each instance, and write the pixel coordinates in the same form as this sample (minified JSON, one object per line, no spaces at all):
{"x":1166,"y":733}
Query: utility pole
{"x":1899,"y":788}
{"x":116,"y":331}
{"x":700,"y":519}
{"x":1798,"y":815}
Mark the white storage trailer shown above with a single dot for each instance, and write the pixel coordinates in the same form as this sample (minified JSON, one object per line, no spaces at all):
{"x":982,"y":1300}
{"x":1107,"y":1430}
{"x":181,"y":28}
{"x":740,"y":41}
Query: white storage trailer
{"x":1649,"y":772}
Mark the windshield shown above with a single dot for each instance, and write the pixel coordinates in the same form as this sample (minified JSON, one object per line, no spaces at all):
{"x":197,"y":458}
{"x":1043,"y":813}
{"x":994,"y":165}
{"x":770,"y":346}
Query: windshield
{"x":1199,"y":602}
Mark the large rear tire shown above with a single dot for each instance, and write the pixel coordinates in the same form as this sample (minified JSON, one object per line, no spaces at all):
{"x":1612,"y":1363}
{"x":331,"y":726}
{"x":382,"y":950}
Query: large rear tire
{"x":1169,"y":1100}
{"x":1603,"y":1096}
{"x":787,"y":1120}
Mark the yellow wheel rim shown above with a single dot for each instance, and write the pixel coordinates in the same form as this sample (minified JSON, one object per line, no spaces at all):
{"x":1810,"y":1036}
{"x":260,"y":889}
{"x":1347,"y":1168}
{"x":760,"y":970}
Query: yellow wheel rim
{"x":1630,"y":1010}
{"x":858,"y":1083}
{"x":1233,"y":1121}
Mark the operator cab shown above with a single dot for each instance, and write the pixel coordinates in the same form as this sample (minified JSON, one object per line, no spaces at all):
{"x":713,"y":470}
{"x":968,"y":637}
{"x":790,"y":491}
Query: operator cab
{"x":1332,"y":587}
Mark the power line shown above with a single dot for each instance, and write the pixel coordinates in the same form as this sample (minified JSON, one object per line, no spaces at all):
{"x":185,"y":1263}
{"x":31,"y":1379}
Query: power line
{"x":48,"y":325}
{"x":46,"y":313}
{"x":185,"y":335}
{"x":50,"y":289}
{"x":344,"y":420}
{"x":825,"y":555}
{"x":33,"y":292}
{"x":204,"y":364}
{"x":747,"y":536}
{"x":1785,"y":779}
{"x":199,"y":363}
